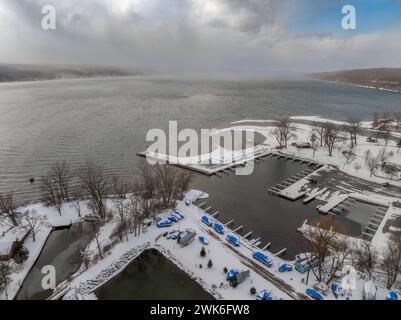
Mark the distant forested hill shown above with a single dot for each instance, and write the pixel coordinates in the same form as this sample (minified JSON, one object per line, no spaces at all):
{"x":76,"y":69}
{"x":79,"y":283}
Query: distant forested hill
{"x":380,"y":78}
{"x":25,"y":72}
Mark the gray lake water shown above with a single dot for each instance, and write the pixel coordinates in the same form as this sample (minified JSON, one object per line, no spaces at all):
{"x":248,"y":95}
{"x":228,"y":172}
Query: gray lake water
{"x":106,"y":120}
{"x":63,"y":251}
{"x":271,"y":218}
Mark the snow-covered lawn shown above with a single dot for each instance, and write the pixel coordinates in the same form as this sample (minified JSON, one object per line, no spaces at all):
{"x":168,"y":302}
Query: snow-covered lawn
{"x":52,"y":219}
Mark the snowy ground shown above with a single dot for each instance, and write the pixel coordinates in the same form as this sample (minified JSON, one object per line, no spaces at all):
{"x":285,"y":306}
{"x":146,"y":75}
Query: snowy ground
{"x":52,"y":219}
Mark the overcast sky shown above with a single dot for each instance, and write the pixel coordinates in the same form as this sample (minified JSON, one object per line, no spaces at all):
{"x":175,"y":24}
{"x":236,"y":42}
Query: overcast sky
{"x":251,"y":36}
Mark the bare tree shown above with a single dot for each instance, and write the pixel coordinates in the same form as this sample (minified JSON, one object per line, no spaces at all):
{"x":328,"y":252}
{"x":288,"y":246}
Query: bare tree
{"x":32,"y":223}
{"x":391,"y":262}
{"x":376,"y":120}
{"x":372,"y":163}
{"x":340,"y":251}
{"x":325,"y":242}
{"x":284,"y":132}
{"x":383,"y":156}
{"x":49,"y":189}
{"x":349,"y":154}
{"x":353,"y":127}
{"x":330,"y":136}
{"x":96,"y":184}
{"x":183,"y":182}
{"x":365,"y":258}
{"x":61,"y":176}
{"x":135,"y":212}
{"x":149,"y":182}
{"x":95,"y":225}
{"x":59,"y":204}
{"x":398,"y":142}
{"x":119,"y":187}
{"x":123,"y":214}
{"x":167,"y":177}
{"x":319,"y":127}
{"x":7,"y":208}
{"x":76,"y":203}
{"x":6,"y":270}
{"x":55,"y":184}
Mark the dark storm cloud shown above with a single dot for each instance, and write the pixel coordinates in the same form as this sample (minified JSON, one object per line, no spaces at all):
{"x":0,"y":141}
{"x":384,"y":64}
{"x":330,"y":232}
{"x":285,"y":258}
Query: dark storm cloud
{"x":188,"y":35}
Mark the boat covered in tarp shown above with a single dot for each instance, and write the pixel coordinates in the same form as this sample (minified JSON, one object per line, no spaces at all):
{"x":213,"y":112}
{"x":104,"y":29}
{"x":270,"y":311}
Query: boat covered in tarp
{"x":314,"y":294}
{"x":218,"y":227}
{"x":207,"y":220}
{"x":285,"y":267}
{"x":392,"y":296}
{"x":264,"y":295}
{"x":263,"y":258}
{"x":231,"y":274}
{"x":173,"y":218}
{"x":164,"y":223}
{"x":203,"y":240}
{"x":233,"y":240}
{"x":186,"y":237}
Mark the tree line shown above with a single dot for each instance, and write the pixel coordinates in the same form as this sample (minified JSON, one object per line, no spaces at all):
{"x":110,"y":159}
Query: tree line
{"x":335,"y":251}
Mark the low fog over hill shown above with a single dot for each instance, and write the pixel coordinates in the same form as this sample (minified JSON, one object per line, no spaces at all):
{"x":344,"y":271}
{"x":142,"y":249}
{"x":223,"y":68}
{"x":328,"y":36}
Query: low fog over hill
{"x":25,"y":72}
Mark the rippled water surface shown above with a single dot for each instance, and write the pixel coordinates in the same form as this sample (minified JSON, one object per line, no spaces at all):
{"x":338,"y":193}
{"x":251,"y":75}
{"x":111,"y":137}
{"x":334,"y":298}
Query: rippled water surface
{"x":106,"y":120}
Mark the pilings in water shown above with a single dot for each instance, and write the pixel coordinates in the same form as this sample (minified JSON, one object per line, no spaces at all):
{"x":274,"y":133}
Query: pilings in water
{"x":266,"y":246}
{"x":247,"y":235}
{"x":237,"y":229}
{"x":216,"y":213}
{"x":229,"y":222}
{"x":254,"y":240}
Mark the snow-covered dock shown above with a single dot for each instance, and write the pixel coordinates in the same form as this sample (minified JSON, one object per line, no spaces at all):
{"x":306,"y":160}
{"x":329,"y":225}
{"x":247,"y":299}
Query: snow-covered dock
{"x":326,"y":208}
{"x":213,"y":163}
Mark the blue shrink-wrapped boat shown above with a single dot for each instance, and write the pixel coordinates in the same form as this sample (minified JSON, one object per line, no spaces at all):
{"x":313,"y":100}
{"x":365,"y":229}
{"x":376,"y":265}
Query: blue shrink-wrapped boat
{"x":264,"y":295}
{"x":164,"y":223}
{"x":233,"y":240}
{"x":203,"y":240}
{"x":263,"y":258}
{"x":314,"y":294}
{"x":207,"y":220}
{"x":218,"y":227}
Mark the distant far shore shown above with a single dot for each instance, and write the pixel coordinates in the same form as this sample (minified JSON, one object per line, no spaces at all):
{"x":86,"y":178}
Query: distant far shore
{"x":24,"y":73}
{"x":385,"y":79}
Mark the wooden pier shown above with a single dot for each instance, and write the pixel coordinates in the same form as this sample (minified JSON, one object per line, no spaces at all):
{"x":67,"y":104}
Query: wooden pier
{"x":280,"y":252}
